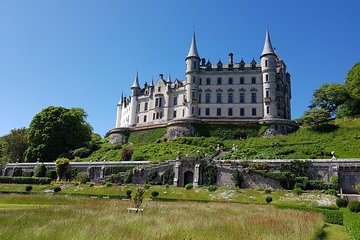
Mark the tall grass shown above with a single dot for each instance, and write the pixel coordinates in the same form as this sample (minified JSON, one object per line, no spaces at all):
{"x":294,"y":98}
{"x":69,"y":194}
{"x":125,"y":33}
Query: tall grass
{"x":97,"y":219}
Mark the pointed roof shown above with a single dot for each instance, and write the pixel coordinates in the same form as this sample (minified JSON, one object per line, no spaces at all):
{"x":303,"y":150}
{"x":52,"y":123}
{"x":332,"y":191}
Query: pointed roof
{"x":136,"y":81}
{"x":121,"y":99}
{"x":152,"y":83}
{"x":193,"y":52}
{"x":169,"y":79}
{"x":268,"y":49}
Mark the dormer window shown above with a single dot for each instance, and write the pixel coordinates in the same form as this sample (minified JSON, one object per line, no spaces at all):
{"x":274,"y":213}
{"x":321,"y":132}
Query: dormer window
{"x":159,"y":89}
{"x":266,"y":63}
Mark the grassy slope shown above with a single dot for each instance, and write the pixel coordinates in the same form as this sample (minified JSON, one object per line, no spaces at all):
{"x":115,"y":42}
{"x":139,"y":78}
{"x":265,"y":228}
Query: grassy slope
{"x":344,"y":139}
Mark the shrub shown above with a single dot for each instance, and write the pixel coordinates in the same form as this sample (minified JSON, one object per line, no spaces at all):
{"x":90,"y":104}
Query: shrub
{"x":62,"y":167}
{"x":28,"y":174}
{"x":51,"y":174}
{"x":168,"y":176}
{"x":28,"y":188}
{"x":17,"y":172}
{"x":116,"y":178}
{"x":331,"y":192}
{"x":128,"y":194}
{"x":81,"y":152}
{"x":40,"y":170}
{"x":154,"y":194}
{"x":212,"y":188}
{"x":151,"y":176}
{"x":267,"y":191}
{"x":334,"y":182}
{"x":91,"y":184}
{"x":354,"y":206}
{"x":139,"y":196}
{"x":146,"y":186}
{"x":108,"y":184}
{"x":189,"y":186}
{"x":57,"y":189}
{"x":209,"y":174}
{"x":83,"y":177}
{"x":237,"y":178}
{"x":167,"y":186}
{"x":297,"y":191}
{"x":268,"y":199}
{"x":126,"y":154}
{"x":25,"y":180}
{"x":342,"y":202}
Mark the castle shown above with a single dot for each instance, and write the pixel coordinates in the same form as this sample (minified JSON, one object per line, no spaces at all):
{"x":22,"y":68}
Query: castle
{"x":226,"y":93}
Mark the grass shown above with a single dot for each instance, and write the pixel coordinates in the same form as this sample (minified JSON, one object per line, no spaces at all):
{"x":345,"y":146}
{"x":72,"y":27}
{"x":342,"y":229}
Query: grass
{"x":97,"y":219}
{"x":335,"y":232}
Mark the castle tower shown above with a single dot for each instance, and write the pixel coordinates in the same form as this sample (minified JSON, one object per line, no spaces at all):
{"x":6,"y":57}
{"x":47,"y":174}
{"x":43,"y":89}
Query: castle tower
{"x":268,"y":68}
{"x":119,"y":111}
{"x":135,"y":91}
{"x":192,"y":67}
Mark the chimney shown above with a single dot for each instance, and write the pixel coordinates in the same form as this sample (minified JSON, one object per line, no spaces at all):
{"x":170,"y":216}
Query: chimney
{"x":161,"y":76}
{"x":231,"y":55}
{"x":203,"y":61}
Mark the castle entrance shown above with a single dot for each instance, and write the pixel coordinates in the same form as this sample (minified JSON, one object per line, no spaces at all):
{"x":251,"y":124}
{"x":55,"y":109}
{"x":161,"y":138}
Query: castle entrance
{"x":188,"y":177}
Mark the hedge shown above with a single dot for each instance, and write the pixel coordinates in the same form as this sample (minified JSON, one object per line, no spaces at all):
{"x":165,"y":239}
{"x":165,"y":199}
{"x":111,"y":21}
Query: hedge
{"x":352,"y":224}
{"x":25,"y":180}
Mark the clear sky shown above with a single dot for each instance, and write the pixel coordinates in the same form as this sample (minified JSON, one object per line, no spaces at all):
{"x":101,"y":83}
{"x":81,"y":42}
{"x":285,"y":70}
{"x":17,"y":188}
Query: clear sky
{"x":84,"y":53}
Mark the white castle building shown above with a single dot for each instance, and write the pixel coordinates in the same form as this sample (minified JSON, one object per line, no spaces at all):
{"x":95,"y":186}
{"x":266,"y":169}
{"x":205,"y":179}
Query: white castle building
{"x":232,"y":92}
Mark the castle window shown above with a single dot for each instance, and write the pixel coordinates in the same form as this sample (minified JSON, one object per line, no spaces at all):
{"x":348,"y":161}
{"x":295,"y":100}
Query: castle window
{"x":266,"y":63}
{"x":159,"y":89}
{"x":157,"y":115}
{"x":267,"y":93}
{"x":156,"y":102}
{"x":199,"y":99}
{"x":218,"y":112}
{"x":153,"y":116}
{"x":199,"y":111}
{"x":138,"y":119}
{"x":193,"y":80}
{"x":242,"y":80}
{"x":253,"y":97}
{"x":267,"y":110}
{"x":218,"y":98}
{"x":146,"y":106}
{"x":161,"y":114}
{"x":230,"y":112}
{"x":230,"y":81}
{"x":208,"y":81}
{"x":219,"y":81}
{"x":253,"y":111}
{"x":175,"y":101}
{"x":253,"y":80}
{"x":145,"y":119}
{"x":174,"y":114}
{"x":267,"y":77}
{"x":207,"y":98}
{"x":242,"y":112}
{"x":193,"y":94}
{"x":207,"y":111}
{"x":230,"y":98}
{"x":183,"y":113}
{"x":200,"y":81}
{"x":192,"y":110}
{"x":242,"y":97}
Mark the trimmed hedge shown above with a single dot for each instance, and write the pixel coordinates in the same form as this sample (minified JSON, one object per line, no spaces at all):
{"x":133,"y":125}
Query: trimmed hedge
{"x":25,"y":180}
{"x":352,"y":224}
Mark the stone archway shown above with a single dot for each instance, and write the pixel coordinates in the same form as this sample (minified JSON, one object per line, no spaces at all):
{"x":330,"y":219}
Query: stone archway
{"x":188,"y":177}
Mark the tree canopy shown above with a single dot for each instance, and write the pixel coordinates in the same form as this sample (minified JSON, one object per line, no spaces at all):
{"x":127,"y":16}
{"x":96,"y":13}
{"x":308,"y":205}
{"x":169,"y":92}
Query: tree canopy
{"x":14,"y":145}
{"x":316,"y":118}
{"x":55,"y":131}
{"x":352,"y":84}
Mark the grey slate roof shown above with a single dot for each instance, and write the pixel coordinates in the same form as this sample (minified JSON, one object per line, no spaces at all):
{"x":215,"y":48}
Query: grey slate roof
{"x":193,"y":52}
{"x":268,"y":49}
{"x":136,"y":82}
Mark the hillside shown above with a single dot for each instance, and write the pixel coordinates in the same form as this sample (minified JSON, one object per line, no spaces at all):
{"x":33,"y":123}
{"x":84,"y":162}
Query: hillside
{"x":343,"y":137}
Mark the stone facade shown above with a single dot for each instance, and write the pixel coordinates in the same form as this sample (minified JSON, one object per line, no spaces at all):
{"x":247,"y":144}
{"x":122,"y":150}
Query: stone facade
{"x":232,"y":92}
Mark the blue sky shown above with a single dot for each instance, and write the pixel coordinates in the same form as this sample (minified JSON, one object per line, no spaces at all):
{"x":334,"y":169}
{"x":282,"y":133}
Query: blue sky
{"x":76,"y":53}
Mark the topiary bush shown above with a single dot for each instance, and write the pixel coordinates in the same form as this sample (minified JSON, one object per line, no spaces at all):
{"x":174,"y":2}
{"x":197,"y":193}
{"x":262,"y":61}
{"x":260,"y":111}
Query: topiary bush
{"x":146,"y":186}
{"x":342,"y":202}
{"x":40,"y":170}
{"x":268,"y":199}
{"x":28,"y":188}
{"x":212,"y":188}
{"x":154,"y":194}
{"x":62,"y":167}
{"x":28,"y":174}
{"x":51,"y":174}
{"x":189,"y":186}
{"x":297,"y":191}
{"x":83,"y":177}
{"x":354,"y":206}
{"x":17,"y":172}
{"x":267,"y":191}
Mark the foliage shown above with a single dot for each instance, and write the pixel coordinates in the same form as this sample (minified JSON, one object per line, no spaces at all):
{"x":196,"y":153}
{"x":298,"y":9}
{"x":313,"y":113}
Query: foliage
{"x":82,"y":152}
{"x":40,"y":170}
{"x":238,"y":178}
{"x":354,"y":206}
{"x":83,"y":177}
{"x":352,"y":84}
{"x":128,"y":194}
{"x":51,"y":174}
{"x":146,"y":136}
{"x":316,"y":118}
{"x":15,"y":145}
{"x":342,"y":202}
{"x":126,"y":154}
{"x":189,"y":186}
{"x":267,"y":191}
{"x":139,"y":196}
{"x":25,"y":180}
{"x":352,"y":224}
{"x":168,"y":176}
{"x":28,"y":188}
{"x":62,"y":167}
{"x":209,"y":174}
{"x":28,"y":174}
{"x":329,"y":97}
{"x":55,"y":131}
{"x":146,"y":186}
{"x":57,"y":189}
{"x":17,"y":172}
{"x":115,"y":170}
{"x":151,"y":177}
{"x":286,"y":179}
{"x":154,"y":194}
{"x":335,"y":183}
{"x":108,"y":184}
{"x":212,"y":188}
{"x":297,"y":167}
{"x":297,"y":191}
{"x":268,"y":199}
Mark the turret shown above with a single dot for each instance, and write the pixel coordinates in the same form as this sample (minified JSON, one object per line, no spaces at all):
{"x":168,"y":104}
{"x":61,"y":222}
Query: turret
{"x":118,"y":112}
{"x":135,"y":91}
{"x":192,"y":67}
{"x":268,"y":68}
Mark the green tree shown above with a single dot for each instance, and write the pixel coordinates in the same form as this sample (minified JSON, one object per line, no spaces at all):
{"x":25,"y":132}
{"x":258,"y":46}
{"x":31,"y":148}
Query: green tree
{"x":40,"y":170}
{"x":352,"y":84}
{"x":330,"y":97}
{"x":62,"y":167}
{"x":316,"y":118}
{"x":15,"y":145}
{"x":55,"y":131}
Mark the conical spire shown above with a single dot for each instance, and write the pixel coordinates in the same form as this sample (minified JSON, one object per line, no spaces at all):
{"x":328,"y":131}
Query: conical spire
{"x":168,"y":79}
{"x":136,"y":82}
{"x":268,"y":49}
{"x":193,"y":52}
{"x":152,"y":83}
{"x":121,"y":99}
